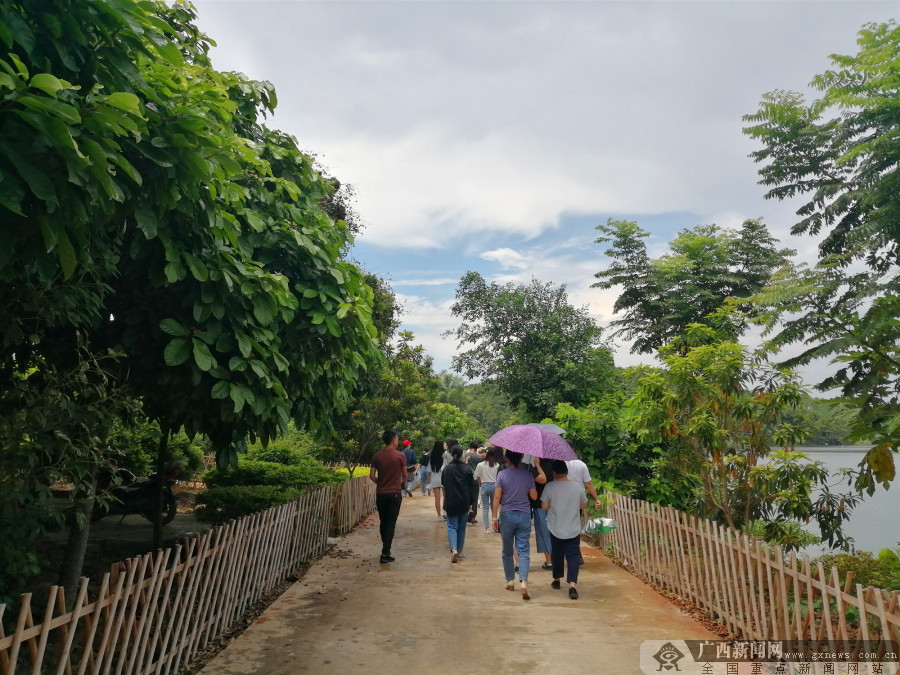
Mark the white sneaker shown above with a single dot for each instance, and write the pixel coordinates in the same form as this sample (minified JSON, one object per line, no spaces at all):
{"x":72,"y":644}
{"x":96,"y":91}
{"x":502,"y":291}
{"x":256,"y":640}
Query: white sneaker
{"x":487,"y":530}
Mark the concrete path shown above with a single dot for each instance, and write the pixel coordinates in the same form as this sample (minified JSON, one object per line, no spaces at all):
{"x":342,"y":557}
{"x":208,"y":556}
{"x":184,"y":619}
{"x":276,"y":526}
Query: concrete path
{"x":423,"y":614}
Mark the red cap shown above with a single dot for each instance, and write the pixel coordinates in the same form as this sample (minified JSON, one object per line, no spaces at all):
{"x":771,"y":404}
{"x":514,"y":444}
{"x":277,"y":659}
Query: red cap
{"x":406,"y":443}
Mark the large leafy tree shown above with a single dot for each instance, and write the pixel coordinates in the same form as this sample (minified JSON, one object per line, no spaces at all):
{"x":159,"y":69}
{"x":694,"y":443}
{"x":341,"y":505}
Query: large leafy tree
{"x":399,"y":394}
{"x":147,"y":210}
{"x":715,"y":410}
{"x":840,"y":154}
{"x":530,"y":342}
{"x":705,"y":266}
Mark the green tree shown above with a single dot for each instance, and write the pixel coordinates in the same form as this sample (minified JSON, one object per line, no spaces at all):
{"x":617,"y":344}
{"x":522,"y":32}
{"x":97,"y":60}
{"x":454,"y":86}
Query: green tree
{"x":830,"y":422}
{"x":718,"y":410}
{"x":400,"y":396}
{"x":605,"y":444}
{"x":54,"y":428}
{"x":706,"y":266}
{"x":536,"y":348}
{"x":840,"y":154}
{"x":147,"y":209}
{"x":479,"y":400}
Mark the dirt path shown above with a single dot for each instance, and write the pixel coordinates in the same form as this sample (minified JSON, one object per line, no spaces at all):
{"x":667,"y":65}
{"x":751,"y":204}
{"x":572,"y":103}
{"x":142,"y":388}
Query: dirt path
{"x":423,"y":614}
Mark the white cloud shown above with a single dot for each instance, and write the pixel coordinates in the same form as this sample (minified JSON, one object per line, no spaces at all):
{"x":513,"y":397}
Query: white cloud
{"x":454,"y":119}
{"x":442,"y":281}
{"x":507,"y":258}
{"x":470,"y":128}
{"x":428,"y":320}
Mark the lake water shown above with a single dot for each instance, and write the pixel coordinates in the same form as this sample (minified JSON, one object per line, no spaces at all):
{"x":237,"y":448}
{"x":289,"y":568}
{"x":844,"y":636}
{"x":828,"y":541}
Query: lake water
{"x":875,"y":522}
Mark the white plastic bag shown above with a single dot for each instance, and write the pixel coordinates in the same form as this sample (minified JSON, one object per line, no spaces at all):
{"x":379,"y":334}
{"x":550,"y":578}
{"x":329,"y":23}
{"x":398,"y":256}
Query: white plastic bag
{"x":599,"y":526}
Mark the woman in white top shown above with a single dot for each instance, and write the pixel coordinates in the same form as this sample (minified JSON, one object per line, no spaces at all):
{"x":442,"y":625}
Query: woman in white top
{"x":486,"y":477}
{"x":436,"y":463}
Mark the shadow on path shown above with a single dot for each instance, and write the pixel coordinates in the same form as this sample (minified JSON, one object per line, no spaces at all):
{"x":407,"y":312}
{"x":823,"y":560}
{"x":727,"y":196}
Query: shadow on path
{"x":424,"y":614}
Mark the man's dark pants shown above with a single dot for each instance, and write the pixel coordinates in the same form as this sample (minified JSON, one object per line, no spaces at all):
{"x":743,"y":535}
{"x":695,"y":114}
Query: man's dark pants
{"x":388,"y":506}
{"x":568,"y":550}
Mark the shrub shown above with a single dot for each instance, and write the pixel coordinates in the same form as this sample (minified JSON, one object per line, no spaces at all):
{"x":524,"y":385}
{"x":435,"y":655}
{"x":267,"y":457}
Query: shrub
{"x":134,"y":445}
{"x":357,"y":472}
{"x":881,"y":572}
{"x":292,"y":448}
{"x":220,"y":504}
{"x":248,"y":473}
{"x":276,"y":455}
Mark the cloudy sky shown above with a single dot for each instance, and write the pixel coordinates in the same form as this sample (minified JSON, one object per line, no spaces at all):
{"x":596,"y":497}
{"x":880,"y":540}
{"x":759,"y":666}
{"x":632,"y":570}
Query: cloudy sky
{"x":495,"y":136}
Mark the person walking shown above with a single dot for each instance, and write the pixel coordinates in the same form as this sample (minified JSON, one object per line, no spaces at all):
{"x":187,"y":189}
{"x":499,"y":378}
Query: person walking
{"x":410,"y":455}
{"x":512,"y":508}
{"x":449,"y":443}
{"x":579,"y":473}
{"x":486,"y":478}
{"x":541,"y":532}
{"x":436,"y":464}
{"x":424,"y":472}
{"x":563,"y":500}
{"x":388,"y":472}
{"x":458,"y":484}
{"x":472,"y":459}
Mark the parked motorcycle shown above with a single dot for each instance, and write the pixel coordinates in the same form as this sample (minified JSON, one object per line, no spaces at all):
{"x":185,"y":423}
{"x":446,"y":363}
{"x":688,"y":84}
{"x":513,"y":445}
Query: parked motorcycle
{"x":135,"y":496}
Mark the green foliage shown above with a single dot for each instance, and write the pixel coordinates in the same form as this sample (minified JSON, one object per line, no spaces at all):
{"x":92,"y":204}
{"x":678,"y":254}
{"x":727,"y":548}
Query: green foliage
{"x":706,"y":266}
{"x":830,"y":422}
{"x":294,"y":448}
{"x":253,"y":473}
{"x":605,"y":445}
{"x":882,"y":571}
{"x":145,"y":203}
{"x":53,"y":429}
{"x":530,"y":343}
{"x":358,"y":472}
{"x":839,"y":154}
{"x":134,"y":443}
{"x":397,"y":393}
{"x":221,"y":504}
{"x":787,"y":534}
{"x":448,"y":421}
{"x":481,"y":401}
{"x":715,"y":411}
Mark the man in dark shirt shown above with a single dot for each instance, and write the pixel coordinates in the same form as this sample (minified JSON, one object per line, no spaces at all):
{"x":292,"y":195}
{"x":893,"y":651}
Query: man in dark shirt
{"x":388,"y":472}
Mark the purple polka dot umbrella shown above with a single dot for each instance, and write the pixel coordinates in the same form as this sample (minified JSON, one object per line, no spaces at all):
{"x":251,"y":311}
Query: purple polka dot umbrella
{"x":531,"y":440}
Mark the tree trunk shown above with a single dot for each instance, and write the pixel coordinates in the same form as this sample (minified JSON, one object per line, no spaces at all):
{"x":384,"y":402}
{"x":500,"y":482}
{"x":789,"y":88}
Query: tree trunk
{"x":76,"y":546}
{"x":162,"y":457}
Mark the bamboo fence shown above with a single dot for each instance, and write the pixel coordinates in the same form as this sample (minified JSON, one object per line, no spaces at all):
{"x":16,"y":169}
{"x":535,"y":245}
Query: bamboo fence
{"x":750,"y":587}
{"x":153,"y":613}
{"x":354,"y":500}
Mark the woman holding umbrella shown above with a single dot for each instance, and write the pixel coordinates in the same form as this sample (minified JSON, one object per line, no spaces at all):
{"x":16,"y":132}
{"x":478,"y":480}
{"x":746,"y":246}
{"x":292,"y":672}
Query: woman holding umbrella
{"x":512,"y":508}
{"x":514,"y":491}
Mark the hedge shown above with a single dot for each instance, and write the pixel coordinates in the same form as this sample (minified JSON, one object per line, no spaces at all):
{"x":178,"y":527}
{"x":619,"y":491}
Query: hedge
{"x":249,"y":473}
{"x":220,"y":504}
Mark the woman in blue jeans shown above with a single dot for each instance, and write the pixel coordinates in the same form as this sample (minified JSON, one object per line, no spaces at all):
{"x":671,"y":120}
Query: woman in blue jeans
{"x":459,"y":500}
{"x":513,"y":493}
